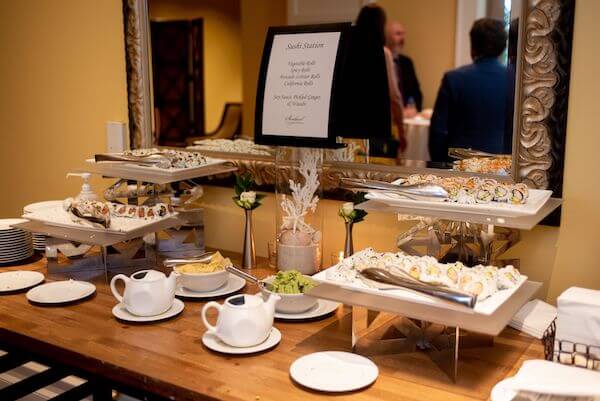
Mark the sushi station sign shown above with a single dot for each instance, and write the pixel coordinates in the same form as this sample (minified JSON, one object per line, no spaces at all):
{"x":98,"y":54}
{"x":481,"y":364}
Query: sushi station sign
{"x":296,"y":89}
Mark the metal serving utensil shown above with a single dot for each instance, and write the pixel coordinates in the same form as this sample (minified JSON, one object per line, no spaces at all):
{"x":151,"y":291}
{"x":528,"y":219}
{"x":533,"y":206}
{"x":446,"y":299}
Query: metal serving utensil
{"x":416,"y":191}
{"x":91,"y":219}
{"x":155,"y":159}
{"x":384,"y":276}
{"x":248,"y":277}
{"x":203,"y":258}
{"x":464,"y":153}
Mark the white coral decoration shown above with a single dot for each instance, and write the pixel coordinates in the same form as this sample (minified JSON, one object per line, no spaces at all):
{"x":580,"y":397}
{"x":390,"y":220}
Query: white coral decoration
{"x":303,"y":198}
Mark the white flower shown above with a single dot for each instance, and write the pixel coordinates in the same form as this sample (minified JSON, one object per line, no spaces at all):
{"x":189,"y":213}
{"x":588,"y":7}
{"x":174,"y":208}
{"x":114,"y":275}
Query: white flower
{"x":347,"y":209}
{"x":248,"y":197}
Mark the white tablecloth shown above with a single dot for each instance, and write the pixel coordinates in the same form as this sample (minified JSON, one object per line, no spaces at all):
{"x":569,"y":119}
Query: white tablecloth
{"x":417,"y":138}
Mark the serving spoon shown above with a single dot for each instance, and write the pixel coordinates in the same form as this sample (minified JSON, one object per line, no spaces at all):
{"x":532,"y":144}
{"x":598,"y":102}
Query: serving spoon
{"x":248,"y":277}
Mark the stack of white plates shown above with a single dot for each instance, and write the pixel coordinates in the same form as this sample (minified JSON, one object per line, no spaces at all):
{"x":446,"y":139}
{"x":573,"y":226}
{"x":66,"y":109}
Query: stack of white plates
{"x":39,"y":239}
{"x":15,"y":244}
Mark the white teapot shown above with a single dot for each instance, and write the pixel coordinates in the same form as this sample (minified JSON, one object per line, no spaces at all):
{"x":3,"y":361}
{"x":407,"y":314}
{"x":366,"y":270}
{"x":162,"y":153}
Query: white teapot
{"x":244,"y":320}
{"x":147,"y":292}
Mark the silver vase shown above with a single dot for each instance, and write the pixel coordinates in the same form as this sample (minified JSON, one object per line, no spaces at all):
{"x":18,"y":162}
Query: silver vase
{"x":249,"y":253}
{"x":348,"y":244}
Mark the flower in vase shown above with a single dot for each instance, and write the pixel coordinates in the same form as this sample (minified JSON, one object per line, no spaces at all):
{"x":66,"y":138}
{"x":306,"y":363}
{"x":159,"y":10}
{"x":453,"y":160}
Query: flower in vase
{"x":350,"y":213}
{"x":245,"y":197}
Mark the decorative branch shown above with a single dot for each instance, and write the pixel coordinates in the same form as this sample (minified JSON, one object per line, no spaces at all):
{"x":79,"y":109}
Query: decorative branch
{"x":303,"y":198}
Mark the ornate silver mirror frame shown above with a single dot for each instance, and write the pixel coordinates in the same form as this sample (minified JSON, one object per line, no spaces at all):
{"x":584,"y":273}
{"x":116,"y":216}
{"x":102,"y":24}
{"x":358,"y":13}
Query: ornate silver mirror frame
{"x":541,"y":99}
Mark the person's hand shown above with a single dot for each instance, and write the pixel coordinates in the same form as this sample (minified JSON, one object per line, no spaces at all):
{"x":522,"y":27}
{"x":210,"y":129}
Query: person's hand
{"x":402,"y":143}
{"x":410,"y":112}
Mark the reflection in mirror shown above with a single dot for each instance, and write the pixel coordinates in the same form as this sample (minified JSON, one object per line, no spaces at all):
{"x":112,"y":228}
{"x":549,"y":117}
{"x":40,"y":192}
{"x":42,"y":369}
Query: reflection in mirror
{"x":422,"y":88}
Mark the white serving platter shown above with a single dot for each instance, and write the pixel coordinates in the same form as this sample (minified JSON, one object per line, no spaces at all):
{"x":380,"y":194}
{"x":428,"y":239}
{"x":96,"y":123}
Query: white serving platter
{"x":158,"y":175}
{"x":489,"y":316}
{"x":56,"y":216}
{"x":537,"y":199}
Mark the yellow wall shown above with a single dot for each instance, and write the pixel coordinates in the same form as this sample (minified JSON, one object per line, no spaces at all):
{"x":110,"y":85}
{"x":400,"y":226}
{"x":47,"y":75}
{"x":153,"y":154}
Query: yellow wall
{"x":62,"y":76}
{"x":222,"y":48}
{"x":430,"y":27}
{"x":65,"y":77}
{"x":257,"y":16}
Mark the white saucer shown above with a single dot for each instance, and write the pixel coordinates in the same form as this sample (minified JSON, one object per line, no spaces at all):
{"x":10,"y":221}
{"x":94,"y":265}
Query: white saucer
{"x":233,"y":284}
{"x":19,"y":280}
{"x":214,"y":343}
{"x":334,"y":371}
{"x":121,"y":313}
{"x":322,"y":308}
{"x":502,"y":391}
{"x":59,"y":292}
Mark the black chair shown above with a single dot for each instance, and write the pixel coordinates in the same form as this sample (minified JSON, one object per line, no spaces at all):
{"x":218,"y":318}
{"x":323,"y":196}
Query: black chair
{"x":230,"y":126}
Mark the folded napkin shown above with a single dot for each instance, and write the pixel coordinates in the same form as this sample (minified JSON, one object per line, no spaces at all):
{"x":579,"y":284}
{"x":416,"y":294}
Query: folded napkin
{"x":578,"y":317}
{"x":534,"y":318}
{"x":545,"y":377}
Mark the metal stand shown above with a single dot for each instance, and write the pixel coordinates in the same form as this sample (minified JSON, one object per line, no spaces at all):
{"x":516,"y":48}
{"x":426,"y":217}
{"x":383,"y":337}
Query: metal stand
{"x":66,"y":257}
{"x":382,"y":333}
{"x":469,"y":243}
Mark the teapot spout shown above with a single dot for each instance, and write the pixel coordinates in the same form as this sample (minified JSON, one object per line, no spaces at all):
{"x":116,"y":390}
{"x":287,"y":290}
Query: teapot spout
{"x":171,"y":282}
{"x":271,"y":302}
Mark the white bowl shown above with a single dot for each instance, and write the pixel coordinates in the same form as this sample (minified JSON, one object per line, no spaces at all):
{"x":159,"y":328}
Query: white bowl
{"x":203,"y":282}
{"x":291,"y":303}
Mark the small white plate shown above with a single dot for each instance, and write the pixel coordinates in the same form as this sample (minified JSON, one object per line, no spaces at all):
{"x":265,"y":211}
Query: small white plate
{"x":5,"y":224}
{"x":334,"y":371}
{"x":19,"y":280}
{"x":13,"y":259}
{"x":121,"y":313}
{"x":322,"y":308}
{"x":234,"y":283}
{"x":59,"y":292}
{"x":214,"y":343}
{"x":501,"y":391}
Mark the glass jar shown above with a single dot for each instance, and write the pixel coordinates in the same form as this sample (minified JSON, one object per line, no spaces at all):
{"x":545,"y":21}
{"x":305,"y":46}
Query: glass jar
{"x":298,"y":189}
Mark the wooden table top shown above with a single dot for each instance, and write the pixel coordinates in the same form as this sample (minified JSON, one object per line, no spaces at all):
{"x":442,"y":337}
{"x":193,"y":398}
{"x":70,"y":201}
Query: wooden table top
{"x":168,"y":358}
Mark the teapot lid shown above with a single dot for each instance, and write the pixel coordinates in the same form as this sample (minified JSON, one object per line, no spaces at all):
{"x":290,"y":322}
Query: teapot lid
{"x":148,"y":275}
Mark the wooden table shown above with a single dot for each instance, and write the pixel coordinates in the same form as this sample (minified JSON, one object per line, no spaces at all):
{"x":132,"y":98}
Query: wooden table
{"x":169,"y":360}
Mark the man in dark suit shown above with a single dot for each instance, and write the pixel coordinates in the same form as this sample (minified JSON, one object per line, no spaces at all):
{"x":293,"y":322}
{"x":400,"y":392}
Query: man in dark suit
{"x":404,"y":67}
{"x":470,"y":109}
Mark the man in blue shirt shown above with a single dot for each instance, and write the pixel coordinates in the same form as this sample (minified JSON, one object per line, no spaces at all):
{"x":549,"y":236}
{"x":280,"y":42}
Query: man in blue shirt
{"x":470,"y":108}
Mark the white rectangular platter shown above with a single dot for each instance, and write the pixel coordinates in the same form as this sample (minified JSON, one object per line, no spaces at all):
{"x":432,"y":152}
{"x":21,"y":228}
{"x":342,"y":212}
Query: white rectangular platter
{"x":489,"y":316}
{"x":537,"y":199}
{"x":158,"y":175}
{"x":56,"y":216}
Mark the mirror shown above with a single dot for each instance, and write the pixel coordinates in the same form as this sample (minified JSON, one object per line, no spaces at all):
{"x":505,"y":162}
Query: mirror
{"x":454,"y":74}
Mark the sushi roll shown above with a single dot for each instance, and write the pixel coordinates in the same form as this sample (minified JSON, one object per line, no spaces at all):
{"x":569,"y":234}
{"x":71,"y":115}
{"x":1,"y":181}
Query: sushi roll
{"x":466,"y":196}
{"x":508,"y":277}
{"x":473,"y":283}
{"x":484,"y":195}
{"x":142,"y":212}
{"x":517,"y":196}
{"x":131,"y":211}
{"x":501,"y":193}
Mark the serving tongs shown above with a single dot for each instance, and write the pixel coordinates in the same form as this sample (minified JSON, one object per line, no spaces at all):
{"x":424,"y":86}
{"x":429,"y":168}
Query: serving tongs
{"x":384,"y":276}
{"x":203,"y":258}
{"x":161,"y":160}
{"x":412,"y":191}
{"x":464,"y":153}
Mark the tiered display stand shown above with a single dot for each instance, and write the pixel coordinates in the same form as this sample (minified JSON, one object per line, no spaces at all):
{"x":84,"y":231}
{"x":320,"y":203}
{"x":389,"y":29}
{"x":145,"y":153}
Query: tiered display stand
{"x":387,"y":323}
{"x":75,"y":248}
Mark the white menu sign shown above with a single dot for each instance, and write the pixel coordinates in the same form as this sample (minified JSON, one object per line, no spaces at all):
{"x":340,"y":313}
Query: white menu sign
{"x":298,"y":84}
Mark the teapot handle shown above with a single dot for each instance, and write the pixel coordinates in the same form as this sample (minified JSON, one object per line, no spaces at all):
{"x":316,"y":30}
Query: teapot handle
{"x":212,"y":304}
{"x":113,"y":286}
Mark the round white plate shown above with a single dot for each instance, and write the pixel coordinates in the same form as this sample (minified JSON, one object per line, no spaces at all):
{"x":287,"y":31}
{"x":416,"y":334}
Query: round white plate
{"x":15,"y":254}
{"x":322,"y":308}
{"x":214,"y":343}
{"x":334,"y":371}
{"x":121,"y":313}
{"x":5,"y":224}
{"x":14,"y":236}
{"x":500,"y":392}
{"x":59,"y":292}
{"x":19,"y":280}
{"x":33,"y":207}
{"x":234,"y":283}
